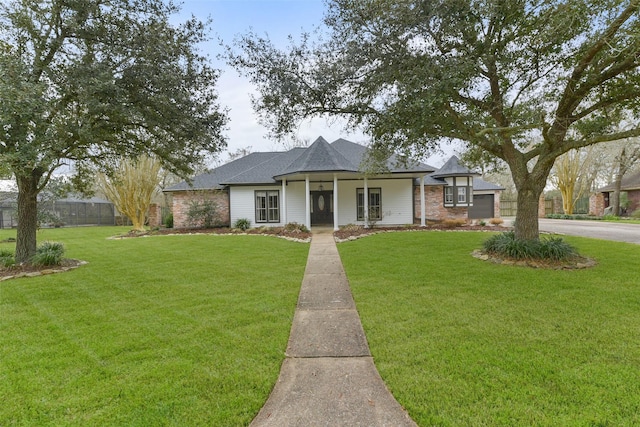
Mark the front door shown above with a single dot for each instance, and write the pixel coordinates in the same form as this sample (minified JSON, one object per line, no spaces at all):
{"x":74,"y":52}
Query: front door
{"x":322,"y":208}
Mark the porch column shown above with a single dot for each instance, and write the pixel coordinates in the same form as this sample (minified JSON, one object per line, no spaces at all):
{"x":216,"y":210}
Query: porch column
{"x":366,"y":203}
{"x":422,"y":203}
{"x":335,"y":202}
{"x":284,"y":201}
{"x":307,"y":198}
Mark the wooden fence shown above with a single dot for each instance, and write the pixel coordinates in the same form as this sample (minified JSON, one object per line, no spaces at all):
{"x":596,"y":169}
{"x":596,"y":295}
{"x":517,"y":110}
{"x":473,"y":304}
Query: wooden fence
{"x":509,"y":207}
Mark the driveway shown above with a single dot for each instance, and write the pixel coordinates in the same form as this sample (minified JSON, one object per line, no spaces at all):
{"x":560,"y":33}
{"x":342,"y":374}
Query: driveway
{"x":596,"y":229}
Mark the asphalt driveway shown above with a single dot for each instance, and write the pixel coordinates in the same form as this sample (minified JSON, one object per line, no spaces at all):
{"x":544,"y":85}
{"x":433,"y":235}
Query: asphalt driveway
{"x":597,"y":229}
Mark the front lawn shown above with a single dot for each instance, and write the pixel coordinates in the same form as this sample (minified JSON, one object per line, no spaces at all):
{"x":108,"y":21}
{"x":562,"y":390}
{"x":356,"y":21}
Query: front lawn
{"x":460,"y":341}
{"x":171,"y":330}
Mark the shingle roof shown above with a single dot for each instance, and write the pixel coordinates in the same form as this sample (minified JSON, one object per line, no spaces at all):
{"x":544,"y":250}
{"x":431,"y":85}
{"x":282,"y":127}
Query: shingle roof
{"x":264,"y":168}
{"x":631,"y":182}
{"x":453,"y":168}
{"x":319,"y":157}
{"x":480,"y":184}
{"x":213,"y":180}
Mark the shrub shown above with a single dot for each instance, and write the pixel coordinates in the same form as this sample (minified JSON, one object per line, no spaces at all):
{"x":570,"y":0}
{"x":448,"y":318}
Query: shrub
{"x":203,"y":214}
{"x":167,"y":220}
{"x":350,"y":227}
{"x":482,"y":222}
{"x":6,"y":258}
{"x":242,"y":223}
{"x":48,"y":253}
{"x":506,"y":244}
{"x":496,"y":221}
{"x":635,"y":214}
{"x":294,"y":227}
{"x":453,"y":223}
{"x":556,"y":249}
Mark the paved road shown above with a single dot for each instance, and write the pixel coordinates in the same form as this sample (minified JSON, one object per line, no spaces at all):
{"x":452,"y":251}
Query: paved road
{"x":596,"y":229}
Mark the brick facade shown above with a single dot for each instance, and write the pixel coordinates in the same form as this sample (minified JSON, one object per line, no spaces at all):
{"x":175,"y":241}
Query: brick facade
{"x":596,"y":204}
{"x":434,"y":205}
{"x":154,"y":216}
{"x":634,"y":201}
{"x":182,"y":201}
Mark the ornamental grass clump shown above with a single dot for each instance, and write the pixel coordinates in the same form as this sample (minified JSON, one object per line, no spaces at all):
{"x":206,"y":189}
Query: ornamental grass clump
{"x":506,"y":245}
{"x":6,"y":258}
{"x":48,"y":253}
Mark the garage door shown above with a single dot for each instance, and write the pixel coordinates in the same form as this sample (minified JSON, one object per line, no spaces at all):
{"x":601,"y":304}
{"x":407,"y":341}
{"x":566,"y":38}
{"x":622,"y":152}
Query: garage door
{"x":482,"y":206}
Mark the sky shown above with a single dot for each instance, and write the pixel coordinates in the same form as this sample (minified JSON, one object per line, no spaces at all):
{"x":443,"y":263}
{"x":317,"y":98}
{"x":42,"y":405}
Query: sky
{"x":277,"y":19}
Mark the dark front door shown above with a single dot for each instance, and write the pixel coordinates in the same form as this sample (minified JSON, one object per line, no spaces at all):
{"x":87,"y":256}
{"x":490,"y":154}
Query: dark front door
{"x":322,"y":208}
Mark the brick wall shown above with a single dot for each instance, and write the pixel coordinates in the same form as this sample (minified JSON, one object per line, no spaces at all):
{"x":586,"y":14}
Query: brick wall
{"x":596,"y":204}
{"x":434,"y":205}
{"x":182,"y":201}
{"x":634,"y":201}
{"x":496,"y":203}
{"x":541,"y":207}
{"x":154,"y":217}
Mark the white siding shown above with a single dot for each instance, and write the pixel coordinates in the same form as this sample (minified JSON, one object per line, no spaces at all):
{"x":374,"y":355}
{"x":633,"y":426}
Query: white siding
{"x":397,"y":201}
{"x":242,"y":204}
{"x":295,"y":202}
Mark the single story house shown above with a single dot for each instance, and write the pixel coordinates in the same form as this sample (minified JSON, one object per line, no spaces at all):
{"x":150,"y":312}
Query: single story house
{"x":324,"y":184}
{"x":600,"y":200}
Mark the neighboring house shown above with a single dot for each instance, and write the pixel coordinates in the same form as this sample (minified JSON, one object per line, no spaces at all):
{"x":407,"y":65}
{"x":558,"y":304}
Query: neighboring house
{"x":600,"y":200}
{"x":324,"y":184}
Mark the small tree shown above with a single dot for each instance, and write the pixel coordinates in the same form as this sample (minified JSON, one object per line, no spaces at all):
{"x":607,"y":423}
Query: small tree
{"x":571,"y":175}
{"x":131,"y":187}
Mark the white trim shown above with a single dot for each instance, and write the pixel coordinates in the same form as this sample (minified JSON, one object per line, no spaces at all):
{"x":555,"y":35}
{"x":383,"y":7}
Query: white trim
{"x":335,"y":202}
{"x":283,"y":206}
{"x":422,"y":203}
{"x":307,"y":199}
{"x":366,"y":203}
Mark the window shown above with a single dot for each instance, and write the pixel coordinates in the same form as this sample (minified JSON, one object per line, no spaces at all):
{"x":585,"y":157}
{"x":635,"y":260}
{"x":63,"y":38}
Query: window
{"x":268,"y":206}
{"x":448,"y":195}
{"x":375,"y":204}
{"x":462,"y":194}
{"x":459,"y":192}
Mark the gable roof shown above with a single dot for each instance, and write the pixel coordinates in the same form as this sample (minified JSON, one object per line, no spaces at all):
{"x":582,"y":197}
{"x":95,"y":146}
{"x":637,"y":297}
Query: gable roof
{"x":631,"y":182}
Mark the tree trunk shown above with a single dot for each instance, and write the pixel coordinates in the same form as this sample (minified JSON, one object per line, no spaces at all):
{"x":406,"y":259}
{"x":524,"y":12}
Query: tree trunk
{"x":526,"y":226}
{"x":27,"y":217}
{"x":614,"y":200}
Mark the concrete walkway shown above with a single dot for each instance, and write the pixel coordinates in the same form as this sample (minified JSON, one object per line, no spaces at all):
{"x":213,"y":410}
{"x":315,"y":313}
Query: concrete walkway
{"x":328,"y":377}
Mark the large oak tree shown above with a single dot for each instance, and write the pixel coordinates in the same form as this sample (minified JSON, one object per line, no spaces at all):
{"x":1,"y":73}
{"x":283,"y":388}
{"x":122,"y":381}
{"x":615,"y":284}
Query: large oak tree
{"x":523,"y":80}
{"x":89,"y":81}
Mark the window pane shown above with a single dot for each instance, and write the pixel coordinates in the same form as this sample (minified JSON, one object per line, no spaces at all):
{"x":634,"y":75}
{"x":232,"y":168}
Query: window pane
{"x":462,"y":194}
{"x":261,"y":206}
{"x":448,"y":194}
{"x":274,"y":206}
{"x":360,"y":204}
{"x":375,"y":203}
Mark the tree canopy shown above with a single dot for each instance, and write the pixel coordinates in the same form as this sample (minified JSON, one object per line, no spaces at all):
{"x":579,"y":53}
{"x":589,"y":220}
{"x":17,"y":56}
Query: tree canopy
{"x":89,"y":81}
{"x":523,"y":80}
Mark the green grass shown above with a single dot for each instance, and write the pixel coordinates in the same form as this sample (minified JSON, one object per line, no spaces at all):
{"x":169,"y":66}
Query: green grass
{"x":175,"y":330}
{"x":460,"y":341}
